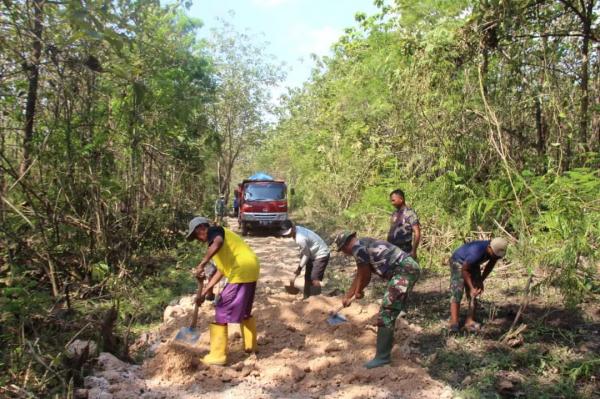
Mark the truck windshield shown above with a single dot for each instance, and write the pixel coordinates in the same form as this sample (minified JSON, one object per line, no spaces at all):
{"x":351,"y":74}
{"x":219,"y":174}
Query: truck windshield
{"x":264,"y":192}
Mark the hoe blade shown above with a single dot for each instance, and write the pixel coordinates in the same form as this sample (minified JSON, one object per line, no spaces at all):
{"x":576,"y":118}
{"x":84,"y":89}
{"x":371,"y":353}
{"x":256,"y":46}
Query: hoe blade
{"x":336,"y":319}
{"x":187,"y":335}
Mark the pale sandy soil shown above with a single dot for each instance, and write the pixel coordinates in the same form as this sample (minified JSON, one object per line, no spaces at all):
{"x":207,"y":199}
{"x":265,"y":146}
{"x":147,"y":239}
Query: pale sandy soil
{"x":300,"y":355}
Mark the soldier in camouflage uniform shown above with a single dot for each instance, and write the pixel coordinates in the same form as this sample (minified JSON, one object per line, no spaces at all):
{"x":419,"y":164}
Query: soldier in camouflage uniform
{"x":392,"y":264}
{"x":405,"y":230}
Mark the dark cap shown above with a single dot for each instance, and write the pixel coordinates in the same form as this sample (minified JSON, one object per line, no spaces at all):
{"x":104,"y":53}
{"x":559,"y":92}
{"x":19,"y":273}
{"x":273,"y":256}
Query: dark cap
{"x":286,"y":228}
{"x":342,"y":238}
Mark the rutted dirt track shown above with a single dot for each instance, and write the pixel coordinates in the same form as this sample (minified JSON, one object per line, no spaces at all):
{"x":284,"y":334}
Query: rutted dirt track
{"x":300,"y":355}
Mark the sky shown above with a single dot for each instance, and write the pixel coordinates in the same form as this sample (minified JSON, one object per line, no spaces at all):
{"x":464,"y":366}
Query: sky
{"x":293,"y":28}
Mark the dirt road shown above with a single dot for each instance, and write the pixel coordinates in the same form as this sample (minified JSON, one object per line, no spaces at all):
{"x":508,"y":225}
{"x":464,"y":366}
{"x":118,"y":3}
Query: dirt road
{"x":300,"y":355}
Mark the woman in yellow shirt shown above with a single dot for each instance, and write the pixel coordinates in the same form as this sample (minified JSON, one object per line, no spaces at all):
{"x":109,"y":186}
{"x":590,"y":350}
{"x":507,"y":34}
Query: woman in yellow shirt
{"x":239,"y":264}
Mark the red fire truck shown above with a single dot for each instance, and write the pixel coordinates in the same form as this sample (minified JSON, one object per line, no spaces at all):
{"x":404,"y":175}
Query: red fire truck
{"x":262,"y":203}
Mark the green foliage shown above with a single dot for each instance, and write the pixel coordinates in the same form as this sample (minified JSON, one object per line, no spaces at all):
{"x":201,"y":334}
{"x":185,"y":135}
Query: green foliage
{"x":119,"y":157}
{"x":532,"y":363}
{"x":421,"y":97}
{"x":557,"y":219}
{"x":146,"y":298}
{"x":245,"y":76}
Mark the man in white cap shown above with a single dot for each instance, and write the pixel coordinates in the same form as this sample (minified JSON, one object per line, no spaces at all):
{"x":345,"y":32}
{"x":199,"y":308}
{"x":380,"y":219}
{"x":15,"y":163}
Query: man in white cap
{"x":314,"y":254}
{"x":466,"y":275}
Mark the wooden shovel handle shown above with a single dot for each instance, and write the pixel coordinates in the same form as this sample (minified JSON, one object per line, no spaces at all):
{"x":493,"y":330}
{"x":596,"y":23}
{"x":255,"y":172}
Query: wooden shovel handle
{"x":198,"y":293}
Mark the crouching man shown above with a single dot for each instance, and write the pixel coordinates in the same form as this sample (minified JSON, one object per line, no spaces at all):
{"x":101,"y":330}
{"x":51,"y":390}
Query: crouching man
{"x":391,"y":264}
{"x":466,"y":275}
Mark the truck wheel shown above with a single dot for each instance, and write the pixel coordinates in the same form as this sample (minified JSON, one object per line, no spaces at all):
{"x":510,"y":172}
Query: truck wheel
{"x":244,"y":229}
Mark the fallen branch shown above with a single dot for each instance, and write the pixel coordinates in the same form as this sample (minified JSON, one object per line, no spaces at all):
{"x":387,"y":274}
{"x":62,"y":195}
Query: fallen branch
{"x":511,"y":332}
{"x":38,"y":359}
{"x":77,"y":334}
{"x":513,"y":238}
{"x":12,"y":388}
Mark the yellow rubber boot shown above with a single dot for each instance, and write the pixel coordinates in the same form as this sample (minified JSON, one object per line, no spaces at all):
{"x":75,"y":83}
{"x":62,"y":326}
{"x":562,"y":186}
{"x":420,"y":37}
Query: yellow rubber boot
{"x":249,"y":335}
{"x":218,"y":345}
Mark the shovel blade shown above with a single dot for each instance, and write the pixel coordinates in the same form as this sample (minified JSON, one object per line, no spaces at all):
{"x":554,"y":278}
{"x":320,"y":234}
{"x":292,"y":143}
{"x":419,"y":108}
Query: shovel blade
{"x":290,"y":289}
{"x":188,"y":335}
{"x":336,"y":319}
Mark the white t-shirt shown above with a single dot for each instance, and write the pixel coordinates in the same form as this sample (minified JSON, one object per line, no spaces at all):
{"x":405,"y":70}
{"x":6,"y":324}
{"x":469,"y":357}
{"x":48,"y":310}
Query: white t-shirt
{"x":311,"y":245}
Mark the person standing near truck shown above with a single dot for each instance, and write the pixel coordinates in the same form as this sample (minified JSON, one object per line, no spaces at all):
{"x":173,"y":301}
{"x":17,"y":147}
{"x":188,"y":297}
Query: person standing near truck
{"x":220,"y":209}
{"x":314,"y":255}
{"x":236,"y":203}
{"x":236,"y":261}
{"x":405,"y":229}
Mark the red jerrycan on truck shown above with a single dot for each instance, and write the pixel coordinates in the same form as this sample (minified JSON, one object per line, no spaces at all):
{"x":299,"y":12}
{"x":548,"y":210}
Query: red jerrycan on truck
{"x":262,"y":203}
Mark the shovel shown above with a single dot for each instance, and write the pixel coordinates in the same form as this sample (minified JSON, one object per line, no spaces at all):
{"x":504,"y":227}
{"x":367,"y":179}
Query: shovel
{"x":336,"y":318}
{"x":189,"y":335}
{"x":291,"y":288}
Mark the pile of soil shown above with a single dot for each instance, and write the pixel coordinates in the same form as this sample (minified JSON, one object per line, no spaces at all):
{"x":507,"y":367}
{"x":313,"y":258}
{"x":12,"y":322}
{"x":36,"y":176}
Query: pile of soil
{"x":300,"y":355}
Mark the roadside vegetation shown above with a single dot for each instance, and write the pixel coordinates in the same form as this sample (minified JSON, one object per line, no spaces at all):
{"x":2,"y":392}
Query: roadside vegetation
{"x":118,"y":124}
{"x":483,"y":114}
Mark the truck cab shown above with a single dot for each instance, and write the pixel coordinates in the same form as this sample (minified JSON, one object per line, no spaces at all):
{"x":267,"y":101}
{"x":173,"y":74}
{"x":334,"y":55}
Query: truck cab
{"x":262,"y":203}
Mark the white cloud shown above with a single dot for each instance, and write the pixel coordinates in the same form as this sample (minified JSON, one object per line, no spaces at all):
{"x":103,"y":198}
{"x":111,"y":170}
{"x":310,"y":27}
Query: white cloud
{"x":314,"y":40}
{"x":269,"y":3}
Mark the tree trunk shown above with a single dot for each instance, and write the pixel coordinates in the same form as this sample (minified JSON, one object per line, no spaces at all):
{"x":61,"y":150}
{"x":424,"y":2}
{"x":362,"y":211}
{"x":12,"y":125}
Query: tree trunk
{"x":33,"y":73}
{"x":540,"y":127}
{"x":585,"y":75}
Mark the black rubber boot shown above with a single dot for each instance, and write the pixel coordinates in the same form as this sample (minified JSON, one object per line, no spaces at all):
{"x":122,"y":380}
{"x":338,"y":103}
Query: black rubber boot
{"x":306,"y":291}
{"x":311,"y":290}
{"x":385,"y":341}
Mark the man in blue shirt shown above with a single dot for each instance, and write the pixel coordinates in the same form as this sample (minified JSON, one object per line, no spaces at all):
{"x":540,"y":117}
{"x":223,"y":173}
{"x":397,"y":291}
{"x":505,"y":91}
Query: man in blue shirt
{"x":465,"y":275}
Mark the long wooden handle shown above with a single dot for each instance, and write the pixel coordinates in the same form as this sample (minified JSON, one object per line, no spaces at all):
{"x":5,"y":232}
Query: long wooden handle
{"x":198,"y":293}
{"x":296,"y":274}
{"x":340,"y":308}
{"x":337,"y":310}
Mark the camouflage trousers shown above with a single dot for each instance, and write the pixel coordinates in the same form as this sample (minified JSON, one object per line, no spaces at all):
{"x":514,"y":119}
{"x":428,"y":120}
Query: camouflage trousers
{"x":398,"y":287}
{"x":457,"y":282}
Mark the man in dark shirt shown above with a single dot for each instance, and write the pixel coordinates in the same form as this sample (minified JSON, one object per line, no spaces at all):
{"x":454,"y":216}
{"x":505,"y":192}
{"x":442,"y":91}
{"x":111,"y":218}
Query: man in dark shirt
{"x":393,"y":265}
{"x":465,"y":275}
{"x":405,"y":230}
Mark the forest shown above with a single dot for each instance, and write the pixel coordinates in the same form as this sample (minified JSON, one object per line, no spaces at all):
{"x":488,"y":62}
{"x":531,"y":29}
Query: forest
{"x":118,"y":124}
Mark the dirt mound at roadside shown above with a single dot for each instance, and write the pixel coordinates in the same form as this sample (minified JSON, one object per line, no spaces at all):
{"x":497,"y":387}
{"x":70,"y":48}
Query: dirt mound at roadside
{"x":299,"y":353}
{"x":173,"y":364}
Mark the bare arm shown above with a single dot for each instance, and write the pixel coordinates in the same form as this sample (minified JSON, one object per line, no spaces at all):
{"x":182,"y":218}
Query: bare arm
{"x":303,"y":262}
{"x":416,"y":239}
{"x":210,"y":252}
{"x":488,"y":268}
{"x":364,"y":278}
{"x":466,"y":273}
{"x":213,"y":281}
{"x":350,"y":294}
{"x":361,"y":280}
{"x":390,"y":236}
